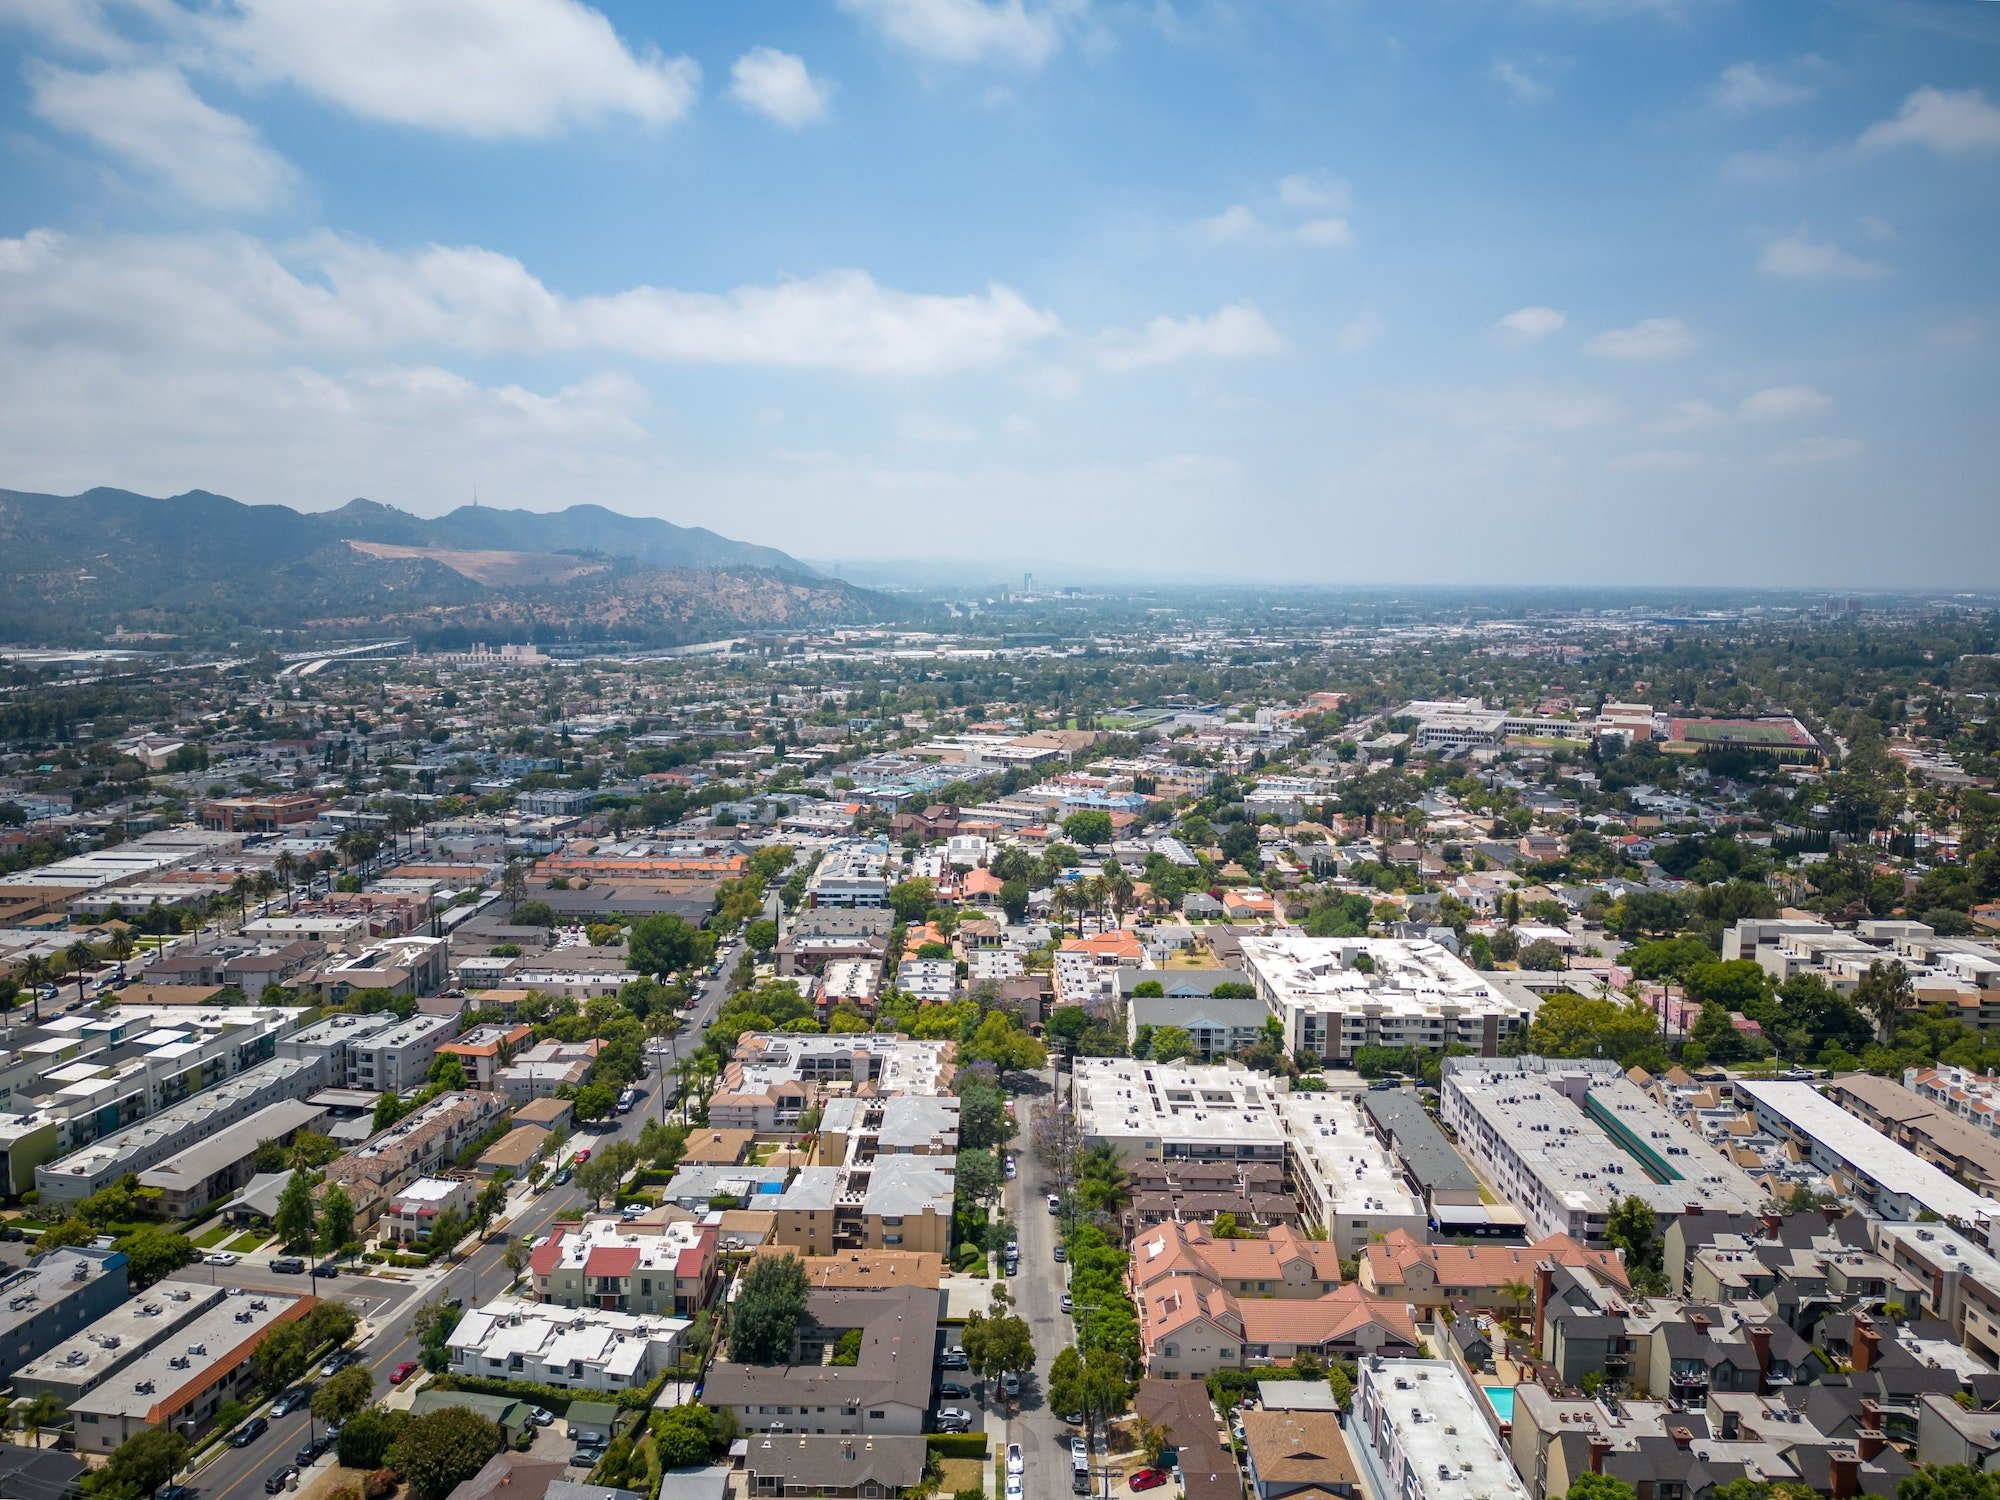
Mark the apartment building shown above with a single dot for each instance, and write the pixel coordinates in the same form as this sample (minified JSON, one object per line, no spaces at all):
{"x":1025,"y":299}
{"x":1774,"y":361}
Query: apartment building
{"x":854,"y":874}
{"x":582,"y":1348}
{"x":1334,"y":996}
{"x":397,"y":1059}
{"x":413,"y":1147}
{"x":414,"y":1209}
{"x":1426,"y":1433}
{"x":182,"y":1382}
{"x":222,"y":1161}
{"x":1176,"y":1111}
{"x":540,"y":1071}
{"x":1348,"y":1183}
{"x":107,"y":1345}
{"x":887,"y":1391}
{"x":54,"y":1295}
{"x":1566,"y":1140}
{"x":151,"y":1141}
{"x":888,"y":1203}
{"x":1937,"y":1130}
{"x":636,"y":1268}
{"x":485,"y":1050}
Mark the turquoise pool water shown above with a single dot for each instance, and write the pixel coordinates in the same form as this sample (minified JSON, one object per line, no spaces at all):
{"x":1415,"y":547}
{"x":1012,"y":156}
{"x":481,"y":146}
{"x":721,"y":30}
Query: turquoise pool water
{"x":1502,"y":1397}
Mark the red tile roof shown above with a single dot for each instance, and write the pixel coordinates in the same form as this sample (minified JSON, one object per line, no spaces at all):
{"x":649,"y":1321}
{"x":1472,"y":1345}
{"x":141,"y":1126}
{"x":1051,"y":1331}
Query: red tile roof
{"x":611,"y":1260}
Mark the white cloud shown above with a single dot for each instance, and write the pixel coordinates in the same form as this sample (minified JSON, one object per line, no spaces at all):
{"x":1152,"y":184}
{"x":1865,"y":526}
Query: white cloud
{"x":1360,"y":333}
{"x":1525,"y":324}
{"x":966,"y":31}
{"x":331,"y":297}
{"x":1744,"y":85}
{"x":928,"y":427}
{"x":1816,"y":450}
{"x":1651,"y":338}
{"x":77,"y":27}
{"x":1236,"y":222}
{"x":151,"y":121}
{"x":1799,"y":257}
{"x":1780,"y":403}
{"x":1519,"y":81}
{"x":1316,"y":192}
{"x":1690,"y":416}
{"x":1533,"y":404}
{"x":1238,"y":331}
{"x":472,"y":67}
{"x":1657,"y":460}
{"x":1332,"y":232}
{"x":777,"y":84}
{"x":1951,"y":122}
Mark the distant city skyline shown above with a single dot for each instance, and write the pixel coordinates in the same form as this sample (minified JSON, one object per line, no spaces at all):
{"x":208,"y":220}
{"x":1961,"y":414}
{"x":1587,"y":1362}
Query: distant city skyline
{"x":1595,"y":292}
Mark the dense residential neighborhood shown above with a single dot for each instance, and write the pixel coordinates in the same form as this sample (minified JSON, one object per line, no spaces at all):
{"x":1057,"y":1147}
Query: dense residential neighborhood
{"x":865,"y":1060}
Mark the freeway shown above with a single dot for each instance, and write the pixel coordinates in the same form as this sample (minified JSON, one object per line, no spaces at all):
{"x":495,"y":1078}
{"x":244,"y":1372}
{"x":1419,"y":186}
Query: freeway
{"x":386,"y":1305}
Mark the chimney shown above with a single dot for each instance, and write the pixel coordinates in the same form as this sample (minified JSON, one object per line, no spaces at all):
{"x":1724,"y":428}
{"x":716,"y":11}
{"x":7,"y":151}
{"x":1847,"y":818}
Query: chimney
{"x":1871,"y":1441}
{"x":1866,"y":1344}
{"x":1599,"y":1446}
{"x":1699,"y":1322}
{"x":1771,"y":1223}
{"x":1832,"y":1215}
{"x":1545,"y":1286}
{"x":1844,"y":1477}
{"x":1683,"y":1437}
{"x":1760,"y":1343}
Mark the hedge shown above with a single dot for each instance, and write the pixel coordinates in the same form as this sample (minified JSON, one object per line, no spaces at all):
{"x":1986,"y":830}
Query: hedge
{"x":556,"y":1398}
{"x":957,"y":1444}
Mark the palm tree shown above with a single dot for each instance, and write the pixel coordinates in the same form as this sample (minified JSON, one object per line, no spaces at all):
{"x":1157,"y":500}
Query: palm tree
{"x":44,"y":1411}
{"x":120,"y":947}
{"x":286,"y":865}
{"x":34,"y":972}
{"x":82,"y":957}
{"x":239,"y":891}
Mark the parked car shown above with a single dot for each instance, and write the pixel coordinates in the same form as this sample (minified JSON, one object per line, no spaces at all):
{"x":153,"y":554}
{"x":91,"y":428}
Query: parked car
{"x":221,"y":1257}
{"x":336,"y":1362}
{"x":1079,"y":1450}
{"x":326,"y":1268}
{"x":1068,"y":1305}
{"x":1010,"y":1169}
{"x":249,"y":1432}
{"x":290,"y":1401}
{"x":1014,"y":1488}
{"x":954,"y":1419}
{"x":1013,"y":1249}
{"x":175,"y":1492}
{"x":1015,"y":1463}
{"x":585,"y":1458}
{"x":1148,"y":1479}
{"x":563,"y":1175}
{"x":1010,"y":1384}
{"x":404,"y":1371}
{"x":1055,"y":1204}
{"x":581,"y":1157}
{"x":311,"y":1449}
{"x":1079,"y":1481}
{"x":954,"y":1359}
{"x":288,"y":1265}
{"x":280,"y":1480}
{"x":541,"y":1416}
{"x":951,"y":1390}
{"x":1061,"y":1253}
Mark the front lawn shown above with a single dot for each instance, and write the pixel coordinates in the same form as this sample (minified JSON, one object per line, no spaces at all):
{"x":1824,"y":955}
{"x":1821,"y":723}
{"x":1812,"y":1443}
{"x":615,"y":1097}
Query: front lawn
{"x":208,"y":1239}
{"x":249,"y":1241}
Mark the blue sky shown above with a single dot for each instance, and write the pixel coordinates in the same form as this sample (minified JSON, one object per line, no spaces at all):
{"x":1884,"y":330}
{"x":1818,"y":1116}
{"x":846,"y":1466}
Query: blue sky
{"x":1594,"y":291}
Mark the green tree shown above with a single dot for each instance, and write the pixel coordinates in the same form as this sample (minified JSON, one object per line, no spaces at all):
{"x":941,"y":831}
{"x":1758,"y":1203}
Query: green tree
{"x":280,"y":1357}
{"x":661,"y":944}
{"x":1171,"y":1043}
{"x":447,"y":1072}
{"x":1065,"y":1390}
{"x":594,"y":1101}
{"x":432,"y":1325}
{"x":295,"y":1217}
{"x":1589,"y":1486}
{"x":684,"y":1436}
{"x":1089,"y":826}
{"x":769,"y":1303}
{"x":911,"y":899}
{"x":1014,"y":900}
{"x":153,"y":1252}
{"x":437,"y":1451}
{"x":140,"y":1465}
{"x":761,"y":935}
{"x":389,"y":1108}
{"x":981,"y":1112}
{"x":368,"y":1436}
{"x":336,"y":1219}
{"x":1633,"y":1229}
{"x":343,"y":1393}
{"x":1568,"y":1025}
{"x":330,"y":1322}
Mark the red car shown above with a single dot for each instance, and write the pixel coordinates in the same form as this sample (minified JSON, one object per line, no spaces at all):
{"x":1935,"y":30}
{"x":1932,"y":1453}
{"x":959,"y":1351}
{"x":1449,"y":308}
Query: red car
{"x":404,"y":1371}
{"x":1147,"y":1479}
{"x":580,"y":1158}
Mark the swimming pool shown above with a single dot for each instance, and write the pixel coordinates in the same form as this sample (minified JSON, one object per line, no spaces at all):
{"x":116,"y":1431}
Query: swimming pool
{"x":1502,"y":1399}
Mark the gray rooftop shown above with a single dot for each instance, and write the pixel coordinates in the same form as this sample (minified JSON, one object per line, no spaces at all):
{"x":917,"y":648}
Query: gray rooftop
{"x":1416,"y":1138}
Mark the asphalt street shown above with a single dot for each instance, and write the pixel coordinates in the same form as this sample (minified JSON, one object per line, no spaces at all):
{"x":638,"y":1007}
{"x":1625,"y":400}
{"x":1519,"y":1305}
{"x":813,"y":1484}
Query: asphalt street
{"x":387,"y":1305}
{"x":1037,"y":1291}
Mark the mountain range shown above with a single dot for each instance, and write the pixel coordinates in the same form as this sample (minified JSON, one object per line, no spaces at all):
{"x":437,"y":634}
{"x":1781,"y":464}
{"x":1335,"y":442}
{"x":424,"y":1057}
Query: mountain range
{"x":201,"y":564}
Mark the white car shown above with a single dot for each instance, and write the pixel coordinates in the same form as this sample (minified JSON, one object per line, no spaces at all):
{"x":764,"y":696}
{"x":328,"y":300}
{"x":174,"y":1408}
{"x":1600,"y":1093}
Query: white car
{"x":1055,"y":1204}
{"x":1079,"y":1450}
{"x":1015,"y":1463}
{"x":220,"y":1258}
